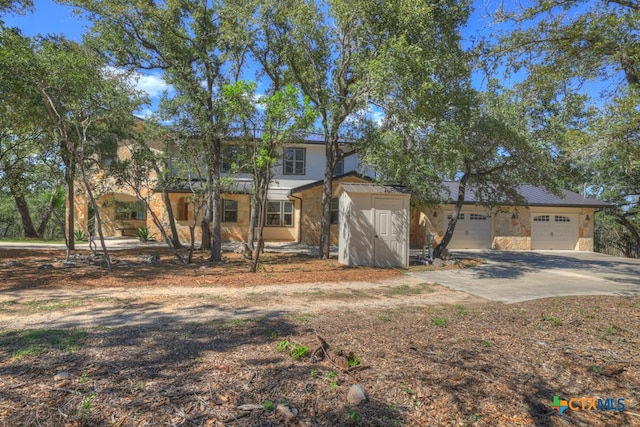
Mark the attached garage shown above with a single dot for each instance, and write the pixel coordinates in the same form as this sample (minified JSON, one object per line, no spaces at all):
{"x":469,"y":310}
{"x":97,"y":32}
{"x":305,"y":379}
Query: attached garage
{"x":374,"y":225}
{"x":554,"y":231}
{"x":544,"y":221}
{"x":473,"y":230}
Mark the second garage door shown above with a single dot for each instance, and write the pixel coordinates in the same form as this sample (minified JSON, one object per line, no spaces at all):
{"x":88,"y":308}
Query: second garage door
{"x":557,"y":232}
{"x":473,"y":231}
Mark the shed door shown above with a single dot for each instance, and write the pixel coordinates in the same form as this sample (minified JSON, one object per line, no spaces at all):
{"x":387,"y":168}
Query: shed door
{"x":389,"y":232}
{"x":550,"y":231}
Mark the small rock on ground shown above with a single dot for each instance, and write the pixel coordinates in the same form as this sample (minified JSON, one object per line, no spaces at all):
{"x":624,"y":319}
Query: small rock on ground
{"x":356,"y":395}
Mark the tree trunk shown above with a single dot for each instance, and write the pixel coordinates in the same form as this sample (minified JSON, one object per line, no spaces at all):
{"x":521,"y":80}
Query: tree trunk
{"x":624,"y":221}
{"x":9,"y":220}
{"x":327,"y":193}
{"x":261,"y":196}
{"x":192,"y":234}
{"x":439,"y":250}
{"x":216,"y":229}
{"x":46,"y":215}
{"x":252,"y":223}
{"x":92,"y":199}
{"x":23,"y":209}
{"x":70,"y":210}
{"x":175,"y":239}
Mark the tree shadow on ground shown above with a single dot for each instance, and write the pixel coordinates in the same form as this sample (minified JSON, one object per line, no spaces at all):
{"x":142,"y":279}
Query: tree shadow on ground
{"x":174,"y":372}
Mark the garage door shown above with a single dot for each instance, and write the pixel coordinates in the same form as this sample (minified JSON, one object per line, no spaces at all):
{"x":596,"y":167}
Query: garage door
{"x":549,"y":231}
{"x":473,"y":231}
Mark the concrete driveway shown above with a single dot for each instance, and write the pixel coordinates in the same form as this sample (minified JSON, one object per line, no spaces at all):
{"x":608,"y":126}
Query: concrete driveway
{"x":520,"y":276}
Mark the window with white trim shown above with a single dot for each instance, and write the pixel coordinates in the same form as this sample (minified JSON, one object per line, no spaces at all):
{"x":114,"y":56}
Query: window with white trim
{"x":280,"y":213}
{"x":560,"y":218}
{"x":541,"y":218}
{"x":477,"y":217}
{"x":460,"y":217}
{"x":229,"y":210}
{"x":294,"y":160}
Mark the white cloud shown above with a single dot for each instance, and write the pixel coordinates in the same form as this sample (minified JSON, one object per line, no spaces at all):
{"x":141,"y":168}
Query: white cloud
{"x":152,"y":84}
{"x":144,"y":113}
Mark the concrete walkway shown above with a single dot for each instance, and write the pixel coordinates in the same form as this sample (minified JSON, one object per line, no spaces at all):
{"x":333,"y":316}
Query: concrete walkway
{"x":520,"y":276}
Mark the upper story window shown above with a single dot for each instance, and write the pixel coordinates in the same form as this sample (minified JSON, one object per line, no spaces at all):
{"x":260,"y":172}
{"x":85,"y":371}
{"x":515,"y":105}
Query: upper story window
{"x":339,"y":168}
{"x":109,"y":151}
{"x":230,"y":158}
{"x":294,"y":160}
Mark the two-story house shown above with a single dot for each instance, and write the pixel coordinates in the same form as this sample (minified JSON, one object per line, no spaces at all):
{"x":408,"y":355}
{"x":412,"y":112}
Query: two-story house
{"x":294,"y":208}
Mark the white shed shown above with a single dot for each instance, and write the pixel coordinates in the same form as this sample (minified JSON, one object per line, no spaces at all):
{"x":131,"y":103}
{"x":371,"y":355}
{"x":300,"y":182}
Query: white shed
{"x":374,"y":225}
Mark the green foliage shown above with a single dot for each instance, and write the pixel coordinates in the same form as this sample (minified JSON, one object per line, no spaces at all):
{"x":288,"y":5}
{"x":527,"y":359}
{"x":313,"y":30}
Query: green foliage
{"x":295,"y":350}
{"x":80,"y":235}
{"x":145,"y":235}
{"x":85,"y":406}
{"x":268,"y":405}
{"x":37,"y":341}
{"x":353,"y":361}
{"x":582,"y":75}
{"x":439,"y":321}
{"x":552,"y":319}
{"x":354,"y":417}
{"x":332,"y":377}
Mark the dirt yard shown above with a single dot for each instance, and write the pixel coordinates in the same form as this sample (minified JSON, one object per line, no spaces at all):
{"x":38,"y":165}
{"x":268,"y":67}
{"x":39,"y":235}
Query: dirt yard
{"x":159,"y":343}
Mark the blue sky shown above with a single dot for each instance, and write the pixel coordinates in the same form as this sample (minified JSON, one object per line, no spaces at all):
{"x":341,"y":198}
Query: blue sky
{"x":52,"y":18}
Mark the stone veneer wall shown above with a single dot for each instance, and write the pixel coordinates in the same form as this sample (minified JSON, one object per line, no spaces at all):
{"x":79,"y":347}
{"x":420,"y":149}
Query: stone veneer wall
{"x":585,"y":230}
{"x":236,"y":231}
{"x":512,"y":229}
{"x":425,"y":220}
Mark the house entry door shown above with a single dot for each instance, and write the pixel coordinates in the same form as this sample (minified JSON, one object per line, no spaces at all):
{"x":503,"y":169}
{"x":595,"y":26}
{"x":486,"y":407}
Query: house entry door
{"x":389,"y":232}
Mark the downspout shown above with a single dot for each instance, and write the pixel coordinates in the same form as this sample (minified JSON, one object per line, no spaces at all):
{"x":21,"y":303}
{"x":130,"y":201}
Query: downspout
{"x":300,"y":219}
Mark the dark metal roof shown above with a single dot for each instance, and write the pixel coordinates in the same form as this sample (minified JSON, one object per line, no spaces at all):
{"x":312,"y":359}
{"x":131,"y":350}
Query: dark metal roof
{"x":535,"y":196}
{"x":299,"y":137}
{"x":357,"y":187}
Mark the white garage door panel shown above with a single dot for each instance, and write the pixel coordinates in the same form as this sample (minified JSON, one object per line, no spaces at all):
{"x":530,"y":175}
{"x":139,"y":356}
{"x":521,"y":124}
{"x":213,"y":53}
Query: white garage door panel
{"x":550,"y":231}
{"x":473,"y":231}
